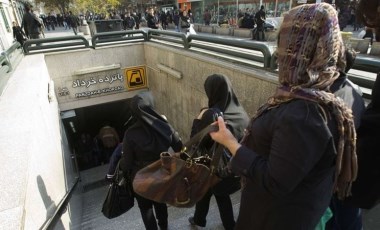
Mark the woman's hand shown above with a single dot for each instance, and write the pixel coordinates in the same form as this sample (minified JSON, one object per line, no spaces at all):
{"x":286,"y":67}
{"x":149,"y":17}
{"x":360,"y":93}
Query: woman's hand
{"x":224,"y":136}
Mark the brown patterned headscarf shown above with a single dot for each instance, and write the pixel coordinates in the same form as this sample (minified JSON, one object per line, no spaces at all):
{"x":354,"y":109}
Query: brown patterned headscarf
{"x":310,"y":55}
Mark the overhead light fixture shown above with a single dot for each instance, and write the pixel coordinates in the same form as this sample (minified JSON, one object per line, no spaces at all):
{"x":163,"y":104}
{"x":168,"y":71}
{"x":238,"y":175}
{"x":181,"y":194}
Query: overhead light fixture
{"x":68,"y":114}
{"x":72,"y":126}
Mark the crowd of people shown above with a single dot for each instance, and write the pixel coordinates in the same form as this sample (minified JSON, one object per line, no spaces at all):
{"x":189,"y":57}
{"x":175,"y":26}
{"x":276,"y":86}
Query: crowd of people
{"x":33,"y":25}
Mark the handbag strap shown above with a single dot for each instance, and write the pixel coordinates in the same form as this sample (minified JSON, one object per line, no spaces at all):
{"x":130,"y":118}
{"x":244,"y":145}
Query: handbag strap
{"x":217,"y":154}
{"x":195,"y":141}
{"x":117,"y":173}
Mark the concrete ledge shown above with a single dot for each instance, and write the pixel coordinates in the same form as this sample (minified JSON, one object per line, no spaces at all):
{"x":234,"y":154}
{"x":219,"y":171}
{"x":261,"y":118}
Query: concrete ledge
{"x":243,"y":33}
{"x":363,"y":46}
{"x":206,"y":29}
{"x":222,"y":31}
{"x":375,"y":49}
{"x":271,"y":36}
{"x":197,"y":27}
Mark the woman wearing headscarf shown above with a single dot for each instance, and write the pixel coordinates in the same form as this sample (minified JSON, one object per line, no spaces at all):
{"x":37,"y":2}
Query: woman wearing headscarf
{"x":143,"y":142}
{"x":299,"y":148}
{"x":221,"y":101}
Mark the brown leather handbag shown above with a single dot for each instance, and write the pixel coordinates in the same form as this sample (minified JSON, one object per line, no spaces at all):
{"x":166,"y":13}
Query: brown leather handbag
{"x":179,"y":179}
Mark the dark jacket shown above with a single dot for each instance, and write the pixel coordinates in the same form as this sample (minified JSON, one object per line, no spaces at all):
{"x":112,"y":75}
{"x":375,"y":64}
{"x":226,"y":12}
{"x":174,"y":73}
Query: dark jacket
{"x":152,"y":21}
{"x":148,"y":137}
{"x":260,"y":18}
{"x":31,"y":25}
{"x":135,"y":158}
{"x":73,"y":20}
{"x":289,"y":162}
{"x":129,"y":22}
{"x":366,"y":188}
{"x":18,"y":34}
{"x":184,"y":21}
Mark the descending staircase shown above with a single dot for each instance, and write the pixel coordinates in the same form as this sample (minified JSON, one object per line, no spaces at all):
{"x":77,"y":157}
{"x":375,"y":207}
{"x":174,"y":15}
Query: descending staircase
{"x":94,"y":192}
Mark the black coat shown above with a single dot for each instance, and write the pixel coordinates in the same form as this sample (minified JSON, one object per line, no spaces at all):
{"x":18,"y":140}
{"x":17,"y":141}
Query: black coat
{"x":148,"y":137}
{"x":31,"y":25}
{"x":18,"y":34}
{"x":289,"y":163}
{"x":152,"y":21}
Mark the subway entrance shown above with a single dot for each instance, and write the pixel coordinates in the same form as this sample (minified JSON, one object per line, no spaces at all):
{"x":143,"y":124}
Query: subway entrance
{"x":93,"y":132}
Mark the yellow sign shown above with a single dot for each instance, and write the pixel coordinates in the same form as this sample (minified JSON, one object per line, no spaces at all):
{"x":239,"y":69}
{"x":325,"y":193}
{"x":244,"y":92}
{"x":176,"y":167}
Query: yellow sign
{"x":136,"y":78}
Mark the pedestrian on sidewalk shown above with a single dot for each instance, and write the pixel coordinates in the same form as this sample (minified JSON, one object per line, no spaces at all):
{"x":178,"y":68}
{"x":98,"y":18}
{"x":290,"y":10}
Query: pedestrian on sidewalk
{"x":30,"y":24}
{"x":74,"y":22}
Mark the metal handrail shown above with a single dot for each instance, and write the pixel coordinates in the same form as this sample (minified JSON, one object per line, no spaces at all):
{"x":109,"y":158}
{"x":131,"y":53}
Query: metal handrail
{"x":153,"y":33}
{"x":59,"y":44}
{"x":109,"y":38}
{"x":4,"y":62}
{"x":6,"y":54}
{"x":257,"y":46}
{"x":51,"y":222}
{"x":367,"y":63}
{"x":363,"y":63}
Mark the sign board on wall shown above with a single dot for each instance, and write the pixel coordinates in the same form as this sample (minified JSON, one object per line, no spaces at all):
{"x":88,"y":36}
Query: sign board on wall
{"x":101,"y":83}
{"x":136,"y":78}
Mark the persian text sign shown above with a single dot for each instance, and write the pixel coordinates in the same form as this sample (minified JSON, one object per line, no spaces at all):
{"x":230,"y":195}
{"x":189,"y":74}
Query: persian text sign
{"x":91,"y":85}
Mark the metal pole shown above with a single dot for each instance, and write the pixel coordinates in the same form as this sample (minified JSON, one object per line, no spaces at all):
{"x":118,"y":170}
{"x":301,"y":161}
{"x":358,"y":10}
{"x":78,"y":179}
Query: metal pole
{"x":237,"y":11}
{"x":217,"y":15}
{"x":275,"y":9}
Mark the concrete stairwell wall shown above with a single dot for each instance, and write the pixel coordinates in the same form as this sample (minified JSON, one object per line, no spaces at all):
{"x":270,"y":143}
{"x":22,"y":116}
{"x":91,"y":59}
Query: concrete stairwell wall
{"x":36,"y":166}
{"x":181,"y":99}
{"x":37,"y":170}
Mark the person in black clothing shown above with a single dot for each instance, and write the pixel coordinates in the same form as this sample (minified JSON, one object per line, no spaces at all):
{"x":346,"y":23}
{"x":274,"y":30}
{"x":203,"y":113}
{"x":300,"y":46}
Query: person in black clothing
{"x":260,"y":20}
{"x":74,"y":22}
{"x":114,"y":160}
{"x":176,"y":19}
{"x":18,"y":34}
{"x":151,"y":19}
{"x":221,"y":98}
{"x":50,"y":22}
{"x":345,"y":216}
{"x":164,"y":20}
{"x":129,"y":22}
{"x":299,"y":147}
{"x":137,"y":20}
{"x":143,"y":143}
{"x":30,"y":24}
{"x":369,"y":34}
{"x":184,"y":22}
{"x":248,"y":21}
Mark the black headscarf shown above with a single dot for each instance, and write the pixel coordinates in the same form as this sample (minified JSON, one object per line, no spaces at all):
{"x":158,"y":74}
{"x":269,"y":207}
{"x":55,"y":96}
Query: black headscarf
{"x":221,"y":96}
{"x":158,"y":132}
